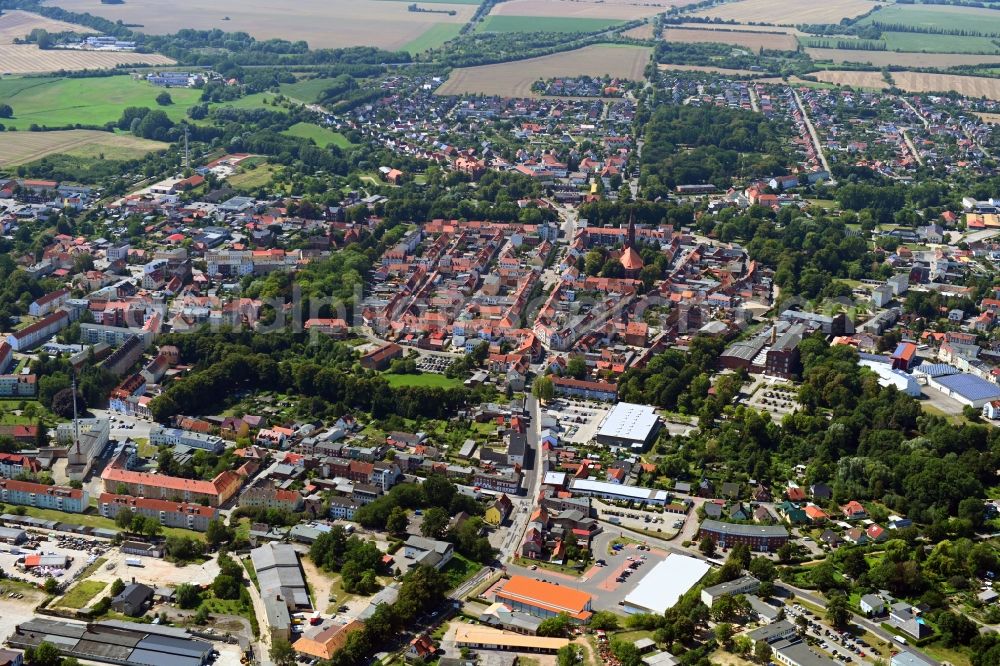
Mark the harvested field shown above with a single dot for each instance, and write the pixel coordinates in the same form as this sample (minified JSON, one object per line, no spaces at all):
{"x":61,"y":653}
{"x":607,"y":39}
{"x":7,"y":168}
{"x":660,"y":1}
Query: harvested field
{"x":22,"y":147}
{"x":702,"y":68}
{"x":514,"y":79}
{"x":321,"y":23}
{"x":788,"y":30}
{"x":29,"y":59}
{"x":16,"y":24}
{"x":502,"y":24}
{"x":750,"y":40}
{"x":919,"y":82}
{"x":871,"y":80}
{"x":885,"y":58}
{"x":970,"y":86}
{"x":990,"y":118}
{"x":576,"y":9}
{"x":644,"y":31}
{"x":788,"y":12}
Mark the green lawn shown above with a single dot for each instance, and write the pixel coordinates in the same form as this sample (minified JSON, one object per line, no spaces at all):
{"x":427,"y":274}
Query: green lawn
{"x":56,"y":102}
{"x":96,"y":520}
{"x":82,"y":593}
{"x":459,"y":570}
{"x":426,"y":379}
{"x":545,"y":24}
{"x":913,"y":41}
{"x":434,"y":37}
{"x":251,"y":179}
{"x":322,"y":136}
{"x":973,"y":20}
{"x":232,"y":607}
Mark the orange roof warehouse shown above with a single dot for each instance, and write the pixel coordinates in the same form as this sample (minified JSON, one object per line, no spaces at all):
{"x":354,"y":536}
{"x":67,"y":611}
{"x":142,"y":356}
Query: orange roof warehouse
{"x":542,"y":599}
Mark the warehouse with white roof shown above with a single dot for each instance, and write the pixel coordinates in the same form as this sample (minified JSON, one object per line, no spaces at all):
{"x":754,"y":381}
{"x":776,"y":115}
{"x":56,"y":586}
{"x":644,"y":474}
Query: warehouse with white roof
{"x":629,"y":426}
{"x":665,"y":584}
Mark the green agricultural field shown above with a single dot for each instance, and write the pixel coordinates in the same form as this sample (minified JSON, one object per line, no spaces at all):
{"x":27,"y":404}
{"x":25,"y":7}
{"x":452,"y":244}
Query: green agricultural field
{"x":917,"y":42}
{"x":545,"y":24}
{"x":321,"y":135}
{"x":426,"y":379}
{"x":971,"y":19}
{"x":55,"y":102}
{"x":306,"y":90}
{"x":435,"y":37}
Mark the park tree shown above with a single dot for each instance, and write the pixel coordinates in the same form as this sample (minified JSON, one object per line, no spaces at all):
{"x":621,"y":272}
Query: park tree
{"x":543,"y":389}
{"x":707,"y":546}
{"x":838,"y":613}
{"x":605,"y":620}
{"x":435,"y":522}
{"x":45,"y":654}
{"x":554,"y":626}
{"x":217,"y":533}
{"x":397,"y":521}
{"x":6,"y":111}
{"x":282,"y":653}
{"x":188,"y":596}
{"x":117,"y":586}
{"x":762,"y":652}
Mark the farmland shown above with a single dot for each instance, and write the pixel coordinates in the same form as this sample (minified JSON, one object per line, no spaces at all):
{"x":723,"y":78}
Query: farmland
{"x":321,"y":23}
{"x":544,"y":24}
{"x":322,"y":136}
{"x":887,"y":58}
{"x":16,"y":24}
{"x":913,"y":41}
{"x":644,"y":31}
{"x":788,"y":12}
{"x":514,"y":79}
{"x":29,"y":59}
{"x":55,"y":102}
{"x":22,"y":147}
{"x":871,"y":80}
{"x":750,"y":40}
{"x":703,"y":68}
{"x":970,"y":86}
{"x":568,"y":9}
{"x":970,"y":19}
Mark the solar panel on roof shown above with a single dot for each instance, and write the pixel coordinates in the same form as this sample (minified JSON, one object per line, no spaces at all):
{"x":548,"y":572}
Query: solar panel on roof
{"x":970,"y":386}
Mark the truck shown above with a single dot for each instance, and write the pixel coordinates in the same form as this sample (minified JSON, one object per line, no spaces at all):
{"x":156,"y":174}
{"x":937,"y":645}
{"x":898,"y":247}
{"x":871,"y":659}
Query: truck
{"x":899,"y":639}
{"x":133,"y":562}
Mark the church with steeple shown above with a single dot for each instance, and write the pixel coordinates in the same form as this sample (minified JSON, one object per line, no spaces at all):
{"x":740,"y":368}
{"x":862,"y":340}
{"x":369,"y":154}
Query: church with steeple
{"x":630,"y":259}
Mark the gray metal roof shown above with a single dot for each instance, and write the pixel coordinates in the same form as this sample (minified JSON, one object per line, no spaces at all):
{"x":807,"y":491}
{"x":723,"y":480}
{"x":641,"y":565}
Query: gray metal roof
{"x":154,"y":658}
{"x":746,"y":530}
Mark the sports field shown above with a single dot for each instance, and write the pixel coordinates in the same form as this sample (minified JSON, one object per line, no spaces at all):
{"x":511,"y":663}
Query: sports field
{"x":545,"y":24}
{"x":514,"y":79}
{"x":971,"y":19}
{"x":788,"y":12}
{"x":321,"y":135}
{"x":886,"y":58}
{"x":55,"y":102}
{"x":578,"y":9}
{"x":23,"y":147}
{"x":425,"y":379}
{"x":321,"y":23}
{"x":747,"y":39}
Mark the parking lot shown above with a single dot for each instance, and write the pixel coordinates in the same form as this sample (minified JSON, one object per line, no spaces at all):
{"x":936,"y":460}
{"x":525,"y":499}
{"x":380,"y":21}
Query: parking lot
{"x":666,"y":525}
{"x":841,"y":645}
{"x":578,"y":419}
{"x":80,"y":551}
{"x":437,"y":364}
